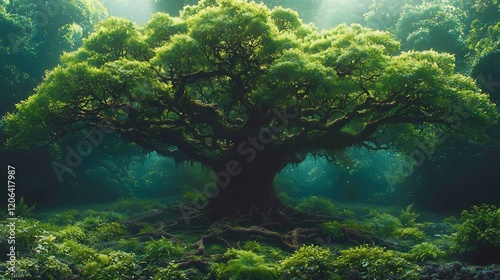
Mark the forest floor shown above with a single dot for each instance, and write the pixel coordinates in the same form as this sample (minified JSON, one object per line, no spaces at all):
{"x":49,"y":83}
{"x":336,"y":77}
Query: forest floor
{"x":149,"y":239}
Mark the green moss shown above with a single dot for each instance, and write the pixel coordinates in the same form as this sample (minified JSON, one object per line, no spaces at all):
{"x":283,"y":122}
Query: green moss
{"x":244,"y":265}
{"x":426,"y":251}
{"x":136,"y":205}
{"x":372,"y":262}
{"x":316,"y":205}
{"x":308,"y":262}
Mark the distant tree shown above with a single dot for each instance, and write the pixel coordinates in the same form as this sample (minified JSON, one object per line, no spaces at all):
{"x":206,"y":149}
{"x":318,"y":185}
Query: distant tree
{"x":431,"y":26}
{"x":384,"y":14}
{"x":245,"y":91}
{"x":32,"y":37}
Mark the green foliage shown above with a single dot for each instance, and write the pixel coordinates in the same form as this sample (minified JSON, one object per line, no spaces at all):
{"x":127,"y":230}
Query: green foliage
{"x":148,"y":228}
{"x":478,"y":230}
{"x":244,"y":265}
{"x":66,"y":217}
{"x":308,"y":262}
{"x":372,"y":262}
{"x":28,"y":232}
{"x":431,"y":26}
{"x":136,"y":205}
{"x":384,"y":14}
{"x":129,"y":245}
{"x":426,"y":251}
{"x":44,"y":264}
{"x":43,"y":267}
{"x":385,"y":224}
{"x":409,"y":233}
{"x":162,"y":251}
{"x":333,"y":229}
{"x":24,"y":210}
{"x":111,"y":231}
{"x":78,"y":253}
{"x":71,"y":232}
{"x":171,"y":272}
{"x":316,"y":205}
{"x":252,"y":246}
{"x":347,"y":213}
{"x":112,"y":266}
{"x":408,"y":216}
{"x":240,"y":56}
{"x":91,"y":222}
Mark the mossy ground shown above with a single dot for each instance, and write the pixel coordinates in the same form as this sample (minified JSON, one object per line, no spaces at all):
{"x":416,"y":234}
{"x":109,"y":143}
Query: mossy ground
{"x":148,"y":239}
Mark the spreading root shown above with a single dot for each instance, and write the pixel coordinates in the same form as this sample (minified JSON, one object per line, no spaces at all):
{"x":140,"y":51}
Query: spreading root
{"x":287,"y":229}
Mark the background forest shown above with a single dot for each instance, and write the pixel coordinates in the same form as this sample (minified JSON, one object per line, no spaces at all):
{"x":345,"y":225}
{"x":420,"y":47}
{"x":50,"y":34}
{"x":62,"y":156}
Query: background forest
{"x":100,"y":214}
{"x":446,"y":176}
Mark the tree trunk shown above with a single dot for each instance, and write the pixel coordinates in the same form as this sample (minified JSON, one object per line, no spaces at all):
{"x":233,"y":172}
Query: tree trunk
{"x":247,"y":187}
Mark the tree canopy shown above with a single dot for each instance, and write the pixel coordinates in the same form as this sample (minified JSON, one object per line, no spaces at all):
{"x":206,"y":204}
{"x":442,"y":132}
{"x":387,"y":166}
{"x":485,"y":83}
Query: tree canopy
{"x":233,"y":81}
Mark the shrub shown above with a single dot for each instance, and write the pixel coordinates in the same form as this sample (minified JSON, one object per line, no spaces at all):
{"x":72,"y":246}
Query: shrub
{"x":253,"y":246}
{"x":244,"y":265}
{"x":308,"y":262}
{"x":76,"y":252}
{"x":23,"y":210}
{"x":478,"y":234}
{"x":316,"y":205}
{"x":112,"y":266}
{"x":408,"y":216}
{"x":385,"y":224}
{"x":333,"y":229}
{"x":71,"y":232}
{"x":43,"y":265}
{"x":410,"y":233}
{"x":171,"y":272}
{"x":66,"y":217}
{"x":129,"y":245}
{"x":426,"y":251}
{"x":91,"y":223}
{"x":111,"y":231}
{"x":372,"y":262}
{"x":161,"y":251}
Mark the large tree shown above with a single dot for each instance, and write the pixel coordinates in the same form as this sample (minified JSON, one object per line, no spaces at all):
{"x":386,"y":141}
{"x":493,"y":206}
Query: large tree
{"x":246,"y":90}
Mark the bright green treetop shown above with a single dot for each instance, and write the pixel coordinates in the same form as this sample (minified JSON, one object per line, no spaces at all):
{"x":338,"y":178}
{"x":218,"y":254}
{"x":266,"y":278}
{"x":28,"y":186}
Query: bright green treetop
{"x":200,"y":84}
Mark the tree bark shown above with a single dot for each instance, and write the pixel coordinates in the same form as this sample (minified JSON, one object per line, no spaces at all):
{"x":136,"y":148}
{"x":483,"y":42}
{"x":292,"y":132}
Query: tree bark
{"x":247,"y":187}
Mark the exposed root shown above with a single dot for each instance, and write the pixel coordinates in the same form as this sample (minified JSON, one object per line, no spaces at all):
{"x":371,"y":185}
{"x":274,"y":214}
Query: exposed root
{"x":287,"y":233}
